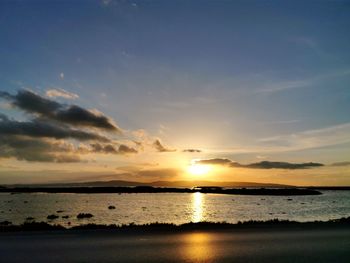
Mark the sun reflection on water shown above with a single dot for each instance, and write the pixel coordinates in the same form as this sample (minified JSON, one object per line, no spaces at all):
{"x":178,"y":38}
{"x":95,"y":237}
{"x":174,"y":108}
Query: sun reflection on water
{"x":197,"y":207}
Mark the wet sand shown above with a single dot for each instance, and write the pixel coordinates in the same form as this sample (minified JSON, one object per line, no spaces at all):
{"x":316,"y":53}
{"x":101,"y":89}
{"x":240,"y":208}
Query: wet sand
{"x":282,"y":244}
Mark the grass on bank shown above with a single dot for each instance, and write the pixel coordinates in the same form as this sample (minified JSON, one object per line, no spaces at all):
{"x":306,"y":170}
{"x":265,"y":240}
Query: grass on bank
{"x":6,"y":226}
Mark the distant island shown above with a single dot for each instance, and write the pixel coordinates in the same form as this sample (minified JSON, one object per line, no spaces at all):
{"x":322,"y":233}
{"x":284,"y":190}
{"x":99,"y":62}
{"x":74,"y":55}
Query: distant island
{"x":151,"y":189}
{"x":181,"y":184}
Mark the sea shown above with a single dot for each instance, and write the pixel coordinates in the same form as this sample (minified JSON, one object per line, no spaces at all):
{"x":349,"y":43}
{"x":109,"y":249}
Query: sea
{"x":176,"y":208}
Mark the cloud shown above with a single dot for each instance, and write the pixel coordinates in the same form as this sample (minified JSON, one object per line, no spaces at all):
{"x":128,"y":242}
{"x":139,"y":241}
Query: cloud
{"x":305,"y":41}
{"x":341,"y":164}
{"x":281,"y":165}
{"x":38,"y":128}
{"x":215,"y":161}
{"x":5,"y":95}
{"x":111,"y":149}
{"x":124,"y":149}
{"x":61,"y":93}
{"x":106,"y":2}
{"x":161,"y":148}
{"x":260,"y":165}
{"x":47,"y":136}
{"x":191,"y":151}
{"x":99,"y":148}
{"x":76,"y":115}
{"x":286,"y":85}
{"x":3,"y":117}
{"x":303,"y":83}
{"x":327,"y":136}
{"x":37,"y":149}
{"x":68,"y":114}
{"x":53,"y":126}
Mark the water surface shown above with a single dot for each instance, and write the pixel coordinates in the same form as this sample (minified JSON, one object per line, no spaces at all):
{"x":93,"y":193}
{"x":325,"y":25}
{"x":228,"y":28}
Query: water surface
{"x":178,"y":208}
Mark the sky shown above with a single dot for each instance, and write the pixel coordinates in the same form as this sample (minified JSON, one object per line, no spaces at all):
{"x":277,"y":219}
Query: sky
{"x":175,"y":90}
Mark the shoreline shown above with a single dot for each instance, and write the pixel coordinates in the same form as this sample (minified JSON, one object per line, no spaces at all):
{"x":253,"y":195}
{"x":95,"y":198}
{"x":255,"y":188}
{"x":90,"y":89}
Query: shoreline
{"x":149,"y":189}
{"x":7,"y":226}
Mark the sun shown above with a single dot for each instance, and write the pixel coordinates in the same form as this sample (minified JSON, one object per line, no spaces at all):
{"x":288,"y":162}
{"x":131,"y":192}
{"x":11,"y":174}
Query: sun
{"x":198,"y":169}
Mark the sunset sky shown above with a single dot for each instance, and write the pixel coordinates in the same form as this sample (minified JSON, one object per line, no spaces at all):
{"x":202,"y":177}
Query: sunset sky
{"x":175,"y":90}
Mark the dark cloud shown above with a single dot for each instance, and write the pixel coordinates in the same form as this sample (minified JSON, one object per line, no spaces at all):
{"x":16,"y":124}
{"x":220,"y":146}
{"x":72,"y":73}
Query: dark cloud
{"x":31,"y":102}
{"x":124,"y":149}
{"x":260,"y":165}
{"x":76,"y":115}
{"x":99,"y":148}
{"x":68,"y":114}
{"x":110,"y":149}
{"x":37,"y":149}
{"x":39,"y":128}
{"x":45,"y":137}
{"x":217,"y":161}
{"x":282,"y":165}
{"x":161,"y":148}
{"x":3,"y":117}
{"x":5,"y":95}
{"x":192,"y":151}
{"x":341,"y":164}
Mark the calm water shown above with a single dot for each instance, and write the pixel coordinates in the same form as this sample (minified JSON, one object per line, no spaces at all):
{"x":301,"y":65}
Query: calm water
{"x":171,"y":207}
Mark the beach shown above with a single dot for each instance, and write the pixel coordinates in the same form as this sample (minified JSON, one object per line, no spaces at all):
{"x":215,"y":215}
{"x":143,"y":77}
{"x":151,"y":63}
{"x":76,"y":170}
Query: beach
{"x":248,"y":244}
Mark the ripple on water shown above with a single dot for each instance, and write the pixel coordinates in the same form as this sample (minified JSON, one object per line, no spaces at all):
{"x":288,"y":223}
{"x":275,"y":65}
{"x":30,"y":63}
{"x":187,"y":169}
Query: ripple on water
{"x":175,"y":208}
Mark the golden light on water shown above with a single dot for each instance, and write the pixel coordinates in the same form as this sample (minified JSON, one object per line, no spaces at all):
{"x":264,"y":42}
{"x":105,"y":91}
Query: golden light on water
{"x":197,"y":207}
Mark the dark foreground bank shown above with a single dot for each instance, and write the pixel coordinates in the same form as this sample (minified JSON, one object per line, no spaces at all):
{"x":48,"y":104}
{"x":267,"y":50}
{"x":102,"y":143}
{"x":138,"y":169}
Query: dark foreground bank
{"x":270,"y":243}
{"x":7,"y":226}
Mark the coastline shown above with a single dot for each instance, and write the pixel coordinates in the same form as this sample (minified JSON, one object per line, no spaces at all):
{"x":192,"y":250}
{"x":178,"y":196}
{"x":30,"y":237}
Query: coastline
{"x":150,"y":189}
{"x":6,"y":226}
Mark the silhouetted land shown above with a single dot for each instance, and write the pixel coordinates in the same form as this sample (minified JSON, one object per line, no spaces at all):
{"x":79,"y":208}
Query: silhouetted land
{"x":253,"y":241}
{"x":6,"y":226}
{"x":150,"y":189}
{"x":177,"y":184}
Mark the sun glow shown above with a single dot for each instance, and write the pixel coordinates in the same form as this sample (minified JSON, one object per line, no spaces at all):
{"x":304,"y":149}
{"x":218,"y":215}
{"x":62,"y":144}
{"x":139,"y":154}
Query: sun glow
{"x":198,"y":169}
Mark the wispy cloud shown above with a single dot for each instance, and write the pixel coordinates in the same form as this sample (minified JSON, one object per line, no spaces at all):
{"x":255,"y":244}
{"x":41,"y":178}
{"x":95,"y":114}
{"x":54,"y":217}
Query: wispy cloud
{"x":305,"y":41}
{"x":312,"y":44}
{"x":161,"y":148}
{"x":277,"y":86}
{"x":106,"y":2}
{"x":304,"y":140}
{"x":61,"y":93}
{"x":341,"y":164}
{"x":309,"y":139}
{"x":285,"y":85}
{"x":281,"y":122}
